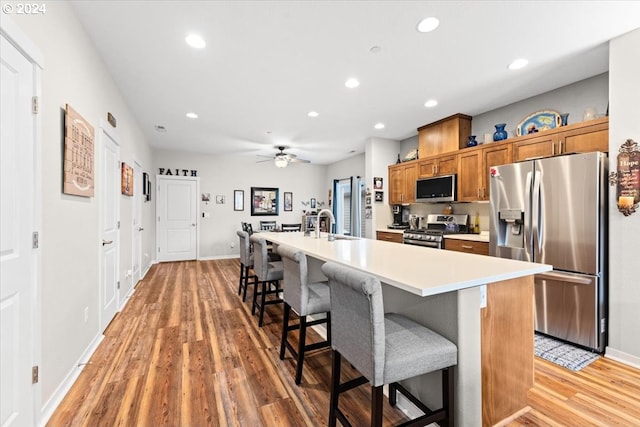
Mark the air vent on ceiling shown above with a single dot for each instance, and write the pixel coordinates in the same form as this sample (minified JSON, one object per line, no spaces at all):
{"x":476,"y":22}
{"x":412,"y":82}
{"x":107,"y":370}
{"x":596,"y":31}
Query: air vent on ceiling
{"x":160,"y":128}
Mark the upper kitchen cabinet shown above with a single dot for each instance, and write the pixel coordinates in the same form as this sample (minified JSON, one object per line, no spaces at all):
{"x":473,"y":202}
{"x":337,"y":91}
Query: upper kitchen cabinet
{"x":402,"y":183}
{"x":438,"y":165}
{"x":581,"y":137}
{"x":474,"y":165}
{"x":444,"y":136}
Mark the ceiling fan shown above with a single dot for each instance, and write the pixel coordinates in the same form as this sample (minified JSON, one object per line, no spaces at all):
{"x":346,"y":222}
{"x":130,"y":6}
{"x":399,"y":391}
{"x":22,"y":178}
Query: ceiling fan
{"x":283,"y":159}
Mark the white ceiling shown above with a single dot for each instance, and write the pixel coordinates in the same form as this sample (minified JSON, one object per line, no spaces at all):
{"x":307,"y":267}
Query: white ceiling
{"x":268,"y":63}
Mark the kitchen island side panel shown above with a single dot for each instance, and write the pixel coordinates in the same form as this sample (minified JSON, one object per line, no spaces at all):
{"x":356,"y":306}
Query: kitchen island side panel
{"x":507,"y":349}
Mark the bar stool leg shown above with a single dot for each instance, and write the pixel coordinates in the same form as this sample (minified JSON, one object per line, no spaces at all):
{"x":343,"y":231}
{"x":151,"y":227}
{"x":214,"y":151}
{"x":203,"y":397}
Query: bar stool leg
{"x":335,"y":388}
{"x":255,"y":298}
{"x":246,"y":283}
{"x":448,"y":397}
{"x":241,"y":279}
{"x":376,"y":406}
{"x":393,"y":397}
{"x":301,"y":346}
{"x":285,"y":330}
{"x":263,"y":299}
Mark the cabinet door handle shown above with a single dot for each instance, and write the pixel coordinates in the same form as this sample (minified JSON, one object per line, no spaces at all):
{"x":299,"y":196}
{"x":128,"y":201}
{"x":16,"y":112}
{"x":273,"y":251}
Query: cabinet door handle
{"x":433,"y":169}
{"x":560,"y":149}
{"x":553,"y":148}
{"x":467,"y":247}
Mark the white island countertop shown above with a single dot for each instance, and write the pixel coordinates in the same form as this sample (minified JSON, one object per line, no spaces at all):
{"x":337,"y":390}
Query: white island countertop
{"x":421,"y":271}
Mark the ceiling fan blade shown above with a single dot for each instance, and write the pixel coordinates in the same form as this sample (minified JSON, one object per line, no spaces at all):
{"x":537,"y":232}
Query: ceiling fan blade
{"x":262,"y":155}
{"x":299,"y":161}
{"x":266,"y":160}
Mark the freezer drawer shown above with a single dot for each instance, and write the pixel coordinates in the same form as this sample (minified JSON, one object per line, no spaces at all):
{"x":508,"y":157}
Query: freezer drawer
{"x":570,"y":307}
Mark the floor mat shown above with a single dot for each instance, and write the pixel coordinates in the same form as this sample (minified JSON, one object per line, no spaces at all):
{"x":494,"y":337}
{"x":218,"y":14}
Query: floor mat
{"x":563,"y":354}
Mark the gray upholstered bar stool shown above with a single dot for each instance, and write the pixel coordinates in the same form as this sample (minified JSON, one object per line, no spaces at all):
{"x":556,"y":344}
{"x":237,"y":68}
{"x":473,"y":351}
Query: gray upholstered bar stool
{"x":246,"y":264}
{"x":268,"y":273}
{"x":306,"y":299}
{"x":384,"y":348}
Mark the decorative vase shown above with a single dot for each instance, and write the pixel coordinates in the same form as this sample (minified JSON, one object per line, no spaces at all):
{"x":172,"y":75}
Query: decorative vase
{"x":472,"y":141}
{"x":500,"y":134}
{"x":564,"y":118}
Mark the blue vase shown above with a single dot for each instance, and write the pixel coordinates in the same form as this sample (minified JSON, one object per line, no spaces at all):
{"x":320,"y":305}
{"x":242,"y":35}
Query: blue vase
{"x":500,"y":134}
{"x":472,"y":141}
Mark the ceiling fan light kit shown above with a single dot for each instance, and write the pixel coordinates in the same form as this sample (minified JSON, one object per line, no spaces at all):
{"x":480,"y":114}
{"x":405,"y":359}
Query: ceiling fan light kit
{"x":283,"y":159}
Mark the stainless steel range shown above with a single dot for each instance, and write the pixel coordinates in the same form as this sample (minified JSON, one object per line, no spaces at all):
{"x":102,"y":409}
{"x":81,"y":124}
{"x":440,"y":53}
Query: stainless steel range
{"x":437,"y":226}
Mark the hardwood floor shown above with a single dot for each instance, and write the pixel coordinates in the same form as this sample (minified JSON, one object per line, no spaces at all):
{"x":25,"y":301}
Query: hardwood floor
{"x":186,"y":351}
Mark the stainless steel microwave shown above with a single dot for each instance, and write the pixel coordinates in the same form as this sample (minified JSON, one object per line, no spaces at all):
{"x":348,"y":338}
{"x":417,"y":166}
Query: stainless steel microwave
{"x":436,"y":189}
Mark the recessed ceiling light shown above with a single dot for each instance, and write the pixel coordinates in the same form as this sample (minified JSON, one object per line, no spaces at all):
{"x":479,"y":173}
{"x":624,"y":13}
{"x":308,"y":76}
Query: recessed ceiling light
{"x":518,"y":63}
{"x":428,"y":24}
{"x":379,"y":126}
{"x":313,"y":114}
{"x":431,"y":103}
{"x":192,"y":115}
{"x":195,"y":41}
{"x":352,"y":83}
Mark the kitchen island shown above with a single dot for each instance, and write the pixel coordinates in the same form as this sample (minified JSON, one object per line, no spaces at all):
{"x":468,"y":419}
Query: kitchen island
{"x":483,"y":304}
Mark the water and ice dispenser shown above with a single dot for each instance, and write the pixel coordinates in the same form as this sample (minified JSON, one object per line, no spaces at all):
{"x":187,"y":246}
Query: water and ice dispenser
{"x":510,"y":242}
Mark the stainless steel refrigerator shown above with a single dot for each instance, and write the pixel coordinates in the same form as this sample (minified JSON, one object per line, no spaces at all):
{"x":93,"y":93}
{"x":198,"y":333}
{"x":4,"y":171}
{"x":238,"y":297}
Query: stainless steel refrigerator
{"x":553,"y":211}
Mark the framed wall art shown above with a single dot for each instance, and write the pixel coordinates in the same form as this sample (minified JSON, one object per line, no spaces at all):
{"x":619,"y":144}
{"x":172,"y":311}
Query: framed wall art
{"x":312,"y":203}
{"x":127,"y":179}
{"x":79,"y":154}
{"x":238,"y":200}
{"x":264,"y":201}
{"x":288,"y":201}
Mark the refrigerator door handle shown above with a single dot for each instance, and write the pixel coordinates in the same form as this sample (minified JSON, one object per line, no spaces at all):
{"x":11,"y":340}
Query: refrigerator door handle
{"x":564,"y":278}
{"x":527,"y":208}
{"x":536,"y":210}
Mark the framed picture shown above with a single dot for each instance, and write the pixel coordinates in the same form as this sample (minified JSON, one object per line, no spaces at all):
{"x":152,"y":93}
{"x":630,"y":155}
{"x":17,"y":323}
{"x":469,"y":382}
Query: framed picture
{"x":238,"y":200}
{"x":288,"y":201}
{"x":377,"y":183}
{"x":264,"y":201}
{"x":146,"y":186}
{"x":367,"y":200}
{"x":379,"y":196}
{"x":127,"y":179}
{"x":312,"y":203}
{"x":219,"y":199}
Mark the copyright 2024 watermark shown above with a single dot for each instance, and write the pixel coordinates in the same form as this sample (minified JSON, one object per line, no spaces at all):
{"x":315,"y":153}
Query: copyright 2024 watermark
{"x":24,"y":8}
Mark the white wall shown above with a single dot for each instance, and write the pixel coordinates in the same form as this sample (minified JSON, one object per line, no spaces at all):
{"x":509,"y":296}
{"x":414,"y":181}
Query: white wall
{"x":380,"y":153}
{"x":624,"y":232}
{"x":221,"y":175}
{"x":70,"y":239}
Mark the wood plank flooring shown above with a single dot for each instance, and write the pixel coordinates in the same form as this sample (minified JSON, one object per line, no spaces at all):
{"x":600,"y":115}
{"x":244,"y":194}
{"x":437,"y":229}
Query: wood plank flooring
{"x":185,"y":351}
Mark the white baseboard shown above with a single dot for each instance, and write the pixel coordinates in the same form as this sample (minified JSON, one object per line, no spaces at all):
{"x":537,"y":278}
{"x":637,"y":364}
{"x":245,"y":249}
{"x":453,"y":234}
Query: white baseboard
{"x":209,"y":258}
{"x":147,"y":270}
{"x":622,"y":357}
{"x":61,"y":391}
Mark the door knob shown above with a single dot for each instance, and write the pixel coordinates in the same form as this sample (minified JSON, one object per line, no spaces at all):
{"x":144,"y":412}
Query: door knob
{"x":106,"y":242}
{"x":140,"y":229}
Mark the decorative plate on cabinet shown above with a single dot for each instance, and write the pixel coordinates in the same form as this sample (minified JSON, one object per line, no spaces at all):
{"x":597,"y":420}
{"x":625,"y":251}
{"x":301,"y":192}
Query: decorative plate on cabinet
{"x":538,"y":121}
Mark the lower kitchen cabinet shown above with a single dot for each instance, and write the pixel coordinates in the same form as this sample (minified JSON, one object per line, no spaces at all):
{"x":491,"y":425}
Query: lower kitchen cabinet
{"x":468,"y":246}
{"x":389,"y":236}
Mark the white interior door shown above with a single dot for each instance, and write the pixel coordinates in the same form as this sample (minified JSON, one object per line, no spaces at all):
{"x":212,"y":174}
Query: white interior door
{"x":110,"y":226}
{"x":18,"y":264}
{"x":177,"y":211}
{"x":137,"y":228}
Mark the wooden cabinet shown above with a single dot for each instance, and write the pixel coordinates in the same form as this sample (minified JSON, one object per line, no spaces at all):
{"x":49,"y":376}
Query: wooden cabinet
{"x":444,"y":136}
{"x":440,"y":165}
{"x":402,"y":183}
{"x":389,"y":236}
{"x":474,"y":165}
{"x":581,"y":137}
{"x":468,"y":246}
